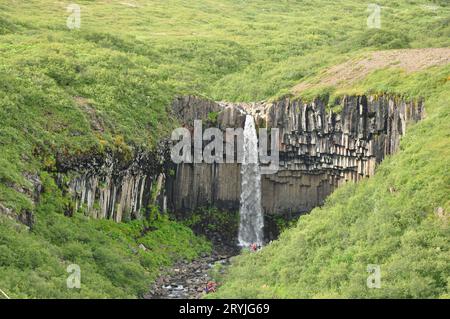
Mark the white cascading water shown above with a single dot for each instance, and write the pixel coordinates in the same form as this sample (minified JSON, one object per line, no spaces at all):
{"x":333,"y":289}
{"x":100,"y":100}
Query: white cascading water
{"x":251,"y":215}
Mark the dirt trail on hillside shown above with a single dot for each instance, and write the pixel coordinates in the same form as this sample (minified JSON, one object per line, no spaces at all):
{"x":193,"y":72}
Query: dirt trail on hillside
{"x":410,"y":60}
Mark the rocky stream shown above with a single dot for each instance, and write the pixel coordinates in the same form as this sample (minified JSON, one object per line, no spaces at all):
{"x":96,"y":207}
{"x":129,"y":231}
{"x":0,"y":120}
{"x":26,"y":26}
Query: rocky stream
{"x":188,"y":279}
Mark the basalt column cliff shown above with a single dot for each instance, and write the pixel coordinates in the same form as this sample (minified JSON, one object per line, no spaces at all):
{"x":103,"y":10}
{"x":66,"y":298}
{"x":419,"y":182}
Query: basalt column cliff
{"x":320,"y":149}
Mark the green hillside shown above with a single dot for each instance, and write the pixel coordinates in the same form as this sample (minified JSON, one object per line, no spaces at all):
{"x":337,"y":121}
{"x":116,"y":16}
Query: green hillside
{"x":107,"y":87}
{"x":397,"y":219}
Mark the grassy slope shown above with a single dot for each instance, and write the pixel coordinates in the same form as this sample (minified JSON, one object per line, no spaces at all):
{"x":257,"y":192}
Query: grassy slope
{"x":390,"y":220}
{"x":33,"y":263}
{"x":127,"y":63}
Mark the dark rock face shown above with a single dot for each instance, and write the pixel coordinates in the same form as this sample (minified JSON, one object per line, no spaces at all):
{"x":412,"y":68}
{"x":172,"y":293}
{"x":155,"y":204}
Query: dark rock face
{"x":320,"y":150}
{"x":108,"y":187}
{"x":190,"y":108}
{"x":200,"y":185}
{"x":27,"y":218}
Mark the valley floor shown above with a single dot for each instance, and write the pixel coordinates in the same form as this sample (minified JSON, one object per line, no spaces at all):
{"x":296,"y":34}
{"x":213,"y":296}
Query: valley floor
{"x":188,"y":280}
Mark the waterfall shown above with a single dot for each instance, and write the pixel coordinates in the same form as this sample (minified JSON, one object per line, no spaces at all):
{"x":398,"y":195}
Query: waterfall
{"x":251,"y":216}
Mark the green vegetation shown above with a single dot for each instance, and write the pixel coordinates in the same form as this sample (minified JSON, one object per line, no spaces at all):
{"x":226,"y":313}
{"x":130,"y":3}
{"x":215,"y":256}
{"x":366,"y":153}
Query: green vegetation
{"x":212,"y":118}
{"x":117,"y":260}
{"x":107,"y":86}
{"x":397,"y":219}
{"x":214,"y":223}
{"x":280,"y":223}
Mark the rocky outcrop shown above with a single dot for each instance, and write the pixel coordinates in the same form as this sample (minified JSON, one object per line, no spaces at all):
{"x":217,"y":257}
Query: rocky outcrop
{"x":31,"y":194}
{"x":320,"y":149}
{"x":8,"y":212}
{"x":107,"y":187}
